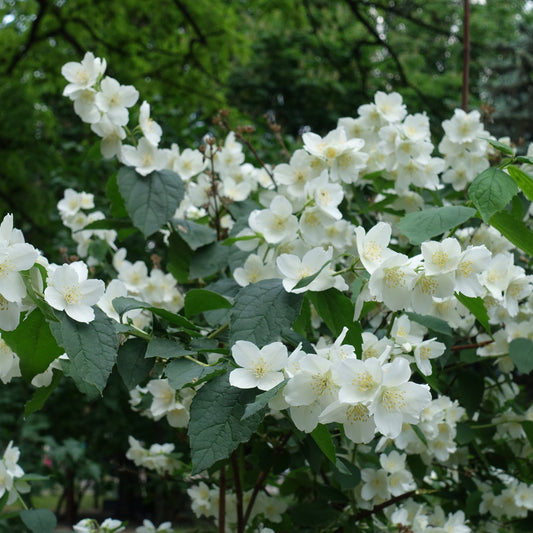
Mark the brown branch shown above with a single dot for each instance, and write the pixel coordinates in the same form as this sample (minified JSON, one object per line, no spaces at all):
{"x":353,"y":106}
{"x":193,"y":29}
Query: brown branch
{"x":32,"y":37}
{"x":222,"y":501}
{"x":377,"y":508}
{"x":238,"y":492}
{"x":460,"y":347}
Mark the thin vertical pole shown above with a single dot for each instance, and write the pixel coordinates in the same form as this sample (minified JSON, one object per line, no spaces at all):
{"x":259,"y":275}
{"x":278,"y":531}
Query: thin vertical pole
{"x":466,"y":54}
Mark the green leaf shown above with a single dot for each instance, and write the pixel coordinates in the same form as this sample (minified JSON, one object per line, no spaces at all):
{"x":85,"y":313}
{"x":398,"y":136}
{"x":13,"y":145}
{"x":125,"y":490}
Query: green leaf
{"x":216,"y":428}
{"x":151,"y":200}
{"x":525,"y":159}
{"x":179,"y":258}
{"x":261,"y":400}
{"x":348,"y":476}
{"x":423,"y":225}
{"x":504,"y":148}
{"x":132,"y":366}
{"x":514,"y":230}
{"x":433,"y":323}
{"x":123,"y":304}
{"x":166,"y":348}
{"x":304,"y":282}
{"x":322,"y":437}
{"x":118,"y":207}
{"x":194,"y":234}
{"x":182,"y":372}
{"x":521,"y":353}
{"x":34,"y":343}
{"x":523,"y":180}
{"x":528,"y":430}
{"x":469,"y":389}
{"x":262,"y":311}
{"x":39,"y":520}
{"x":199,"y":300}
{"x":334,"y":308}
{"x":42,"y":394}
{"x":92,"y":349}
{"x":477,"y":308}
{"x":209,"y":260}
{"x":491,"y":191}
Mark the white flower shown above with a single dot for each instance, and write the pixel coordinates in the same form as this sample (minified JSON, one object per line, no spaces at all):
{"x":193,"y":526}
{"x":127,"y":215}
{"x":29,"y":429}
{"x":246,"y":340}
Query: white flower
{"x":261,"y":368}
{"x":425,"y":351}
{"x":151,"y":129}
{"x":112,"y":136}
{"x":398,"y":400}
{"x":441,"y":257}
{"x":110,"y":525}
{"x":276,"y":223}
{"x":86,"y":525}
{"x":357,"y":421}
{"x":472,"y":261}
{"x":145,"y":157}
{"x":84,"y":74}
{"x":372,"y":246}
{"x":69,"y":290}
{"x":148,"y":527}
{"x":390,"y":106}
{"x":327,"y":195}
{"x":359,"y":380}
{"x":293,"y":269}
{"x":114,"y":99}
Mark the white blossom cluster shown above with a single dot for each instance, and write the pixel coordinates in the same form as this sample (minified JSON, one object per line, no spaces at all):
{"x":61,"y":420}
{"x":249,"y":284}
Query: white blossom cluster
{"x":158,"y":457}
{"x":11,"y":473}
{"x":166,"y":402}
{"x":204,"y":502}
{"x":421,"y":517}
{"x":334,"y":385}
{"x":112,"y":525}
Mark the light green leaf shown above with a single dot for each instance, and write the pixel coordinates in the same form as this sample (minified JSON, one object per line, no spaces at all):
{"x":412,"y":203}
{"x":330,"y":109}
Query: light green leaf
{"x":132,"y":366}
{"x":92,"y":349}
{"x":521,"y":353}
{"x":504,"y":148}
{"x":423,"y":225}
{"x":39,"y":520}
{"x":216,"y":428}
{"x":322,"y":437}
{"x":166,"y":348}
{"x":34,"y":343}
{"x":151,"y":200}
{"x":514,"y":230}
{"x":199,"y":300}
{"x":182,"y":372}
{"x":194,"y":234}
{"x":523,"y":180}
{"x":525,"y":159}
{"x":477,"y":308}
{"x":491,"y":191}
{"x":261,"y":400}
{"x":262,"y":311}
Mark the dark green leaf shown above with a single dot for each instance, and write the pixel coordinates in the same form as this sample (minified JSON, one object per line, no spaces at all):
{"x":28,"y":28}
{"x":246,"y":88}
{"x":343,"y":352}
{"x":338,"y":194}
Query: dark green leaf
{"x":477,"y":308}
{"x":521,"y":353}
{"x":491,"y":191}
{"x":182,"y":372}
{"x":41,"y":394}
{"x":151,"y":200}
{"x":433,"y":323}
{"x":527,"y":425}
{"x":92,"y":348}
{"x":334,"y":308}
{"x":308,"y":279}
{"x":216,"y":428}
{"x":348,"y":476}
{"x":194,"y":234}
{"x":469,"y":390}
{"x":123,"y":304}
{"x":118,"y":207}
{"x":523,"y":180}
{"x":39,"y":520}
{"x":34,"y":343}
{"x":322,"y":437}
{"x":514,"y":230}
{"x":423,"y":225}
{"x":166,"y":348}
{"x":132,"y":366}
{"x":199,"y":300}
{"x":261,"y":400}
{"x":525,"y":159}
{"x":262,"y":311}
{"x":179,"y":258}
{"x":209,"y":260}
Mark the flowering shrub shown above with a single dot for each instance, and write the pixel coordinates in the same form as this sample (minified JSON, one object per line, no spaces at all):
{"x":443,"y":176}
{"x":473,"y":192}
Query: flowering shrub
{"x":346,"y":337}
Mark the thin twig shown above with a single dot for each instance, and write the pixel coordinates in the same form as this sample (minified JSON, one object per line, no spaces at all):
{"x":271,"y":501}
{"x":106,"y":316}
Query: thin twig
{"x":238,"y":492}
